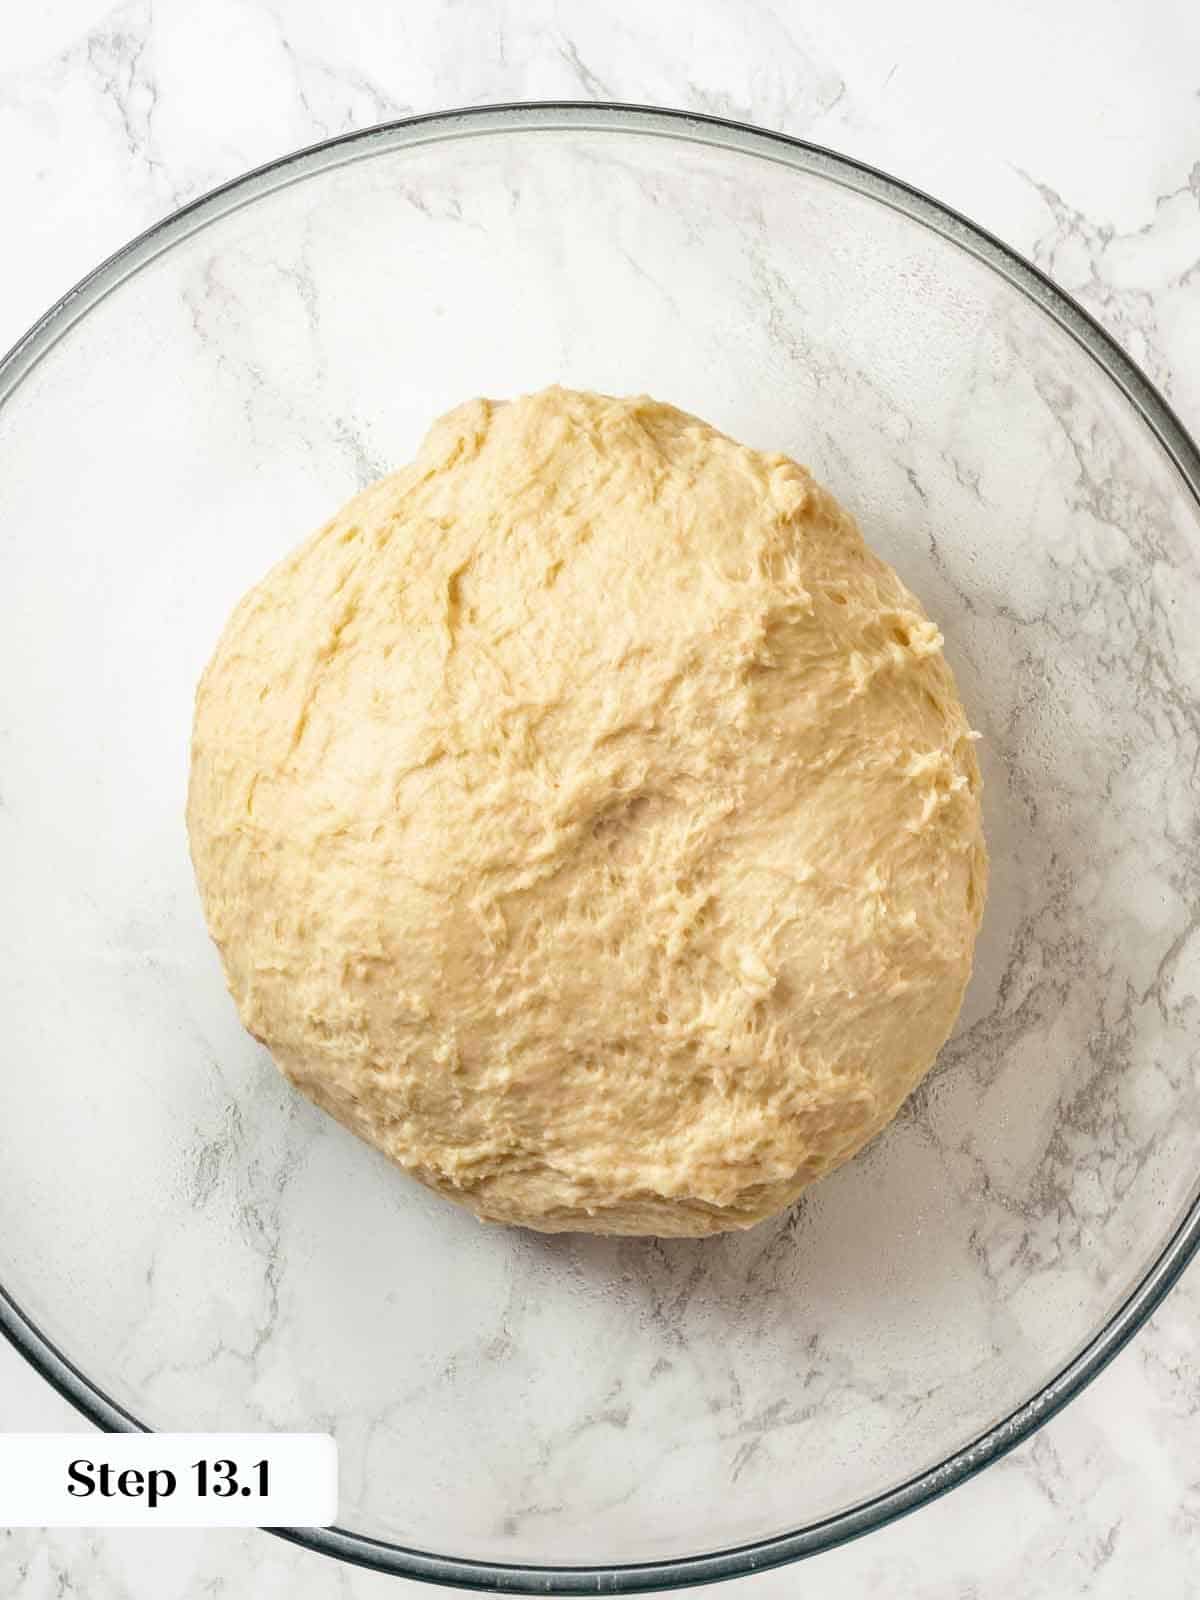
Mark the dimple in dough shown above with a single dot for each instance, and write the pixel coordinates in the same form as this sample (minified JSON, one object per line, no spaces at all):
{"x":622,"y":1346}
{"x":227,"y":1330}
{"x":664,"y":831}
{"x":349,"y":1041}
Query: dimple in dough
{"x":587,"y":818}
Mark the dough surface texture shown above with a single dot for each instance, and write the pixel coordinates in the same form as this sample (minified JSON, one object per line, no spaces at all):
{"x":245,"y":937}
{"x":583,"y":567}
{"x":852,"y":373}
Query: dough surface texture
{"x":588,"y":819}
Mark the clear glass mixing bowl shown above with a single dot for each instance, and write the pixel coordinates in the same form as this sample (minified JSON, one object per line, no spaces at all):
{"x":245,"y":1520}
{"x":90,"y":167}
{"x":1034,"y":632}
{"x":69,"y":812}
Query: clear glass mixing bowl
{"x":187,"y":1245}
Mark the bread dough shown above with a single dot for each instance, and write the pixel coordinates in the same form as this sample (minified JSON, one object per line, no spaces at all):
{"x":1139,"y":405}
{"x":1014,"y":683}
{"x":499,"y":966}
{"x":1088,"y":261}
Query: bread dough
{"x":588,"y":819}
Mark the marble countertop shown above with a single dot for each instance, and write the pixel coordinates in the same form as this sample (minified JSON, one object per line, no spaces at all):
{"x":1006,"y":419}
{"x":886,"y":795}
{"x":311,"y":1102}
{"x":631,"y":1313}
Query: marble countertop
{"x":1077,"y":139}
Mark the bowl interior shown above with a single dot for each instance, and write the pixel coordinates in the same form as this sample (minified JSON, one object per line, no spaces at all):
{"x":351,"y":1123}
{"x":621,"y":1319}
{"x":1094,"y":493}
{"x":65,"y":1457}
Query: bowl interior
{"x":211,"y":1251}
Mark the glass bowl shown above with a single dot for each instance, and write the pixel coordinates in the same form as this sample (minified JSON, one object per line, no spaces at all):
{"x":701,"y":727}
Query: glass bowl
{"x":189,"y":1245}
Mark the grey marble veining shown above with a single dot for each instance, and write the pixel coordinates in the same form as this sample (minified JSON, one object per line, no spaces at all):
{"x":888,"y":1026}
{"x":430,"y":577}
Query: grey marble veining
{"x":1045,"y":1130}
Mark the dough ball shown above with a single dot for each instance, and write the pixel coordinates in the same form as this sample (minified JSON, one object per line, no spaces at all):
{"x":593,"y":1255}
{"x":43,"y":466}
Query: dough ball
{"x":588,"y":819}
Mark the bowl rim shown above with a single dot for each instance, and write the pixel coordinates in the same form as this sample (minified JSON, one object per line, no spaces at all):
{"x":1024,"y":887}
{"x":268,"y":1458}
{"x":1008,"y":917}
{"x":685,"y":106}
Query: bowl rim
{"x":813,"y":160}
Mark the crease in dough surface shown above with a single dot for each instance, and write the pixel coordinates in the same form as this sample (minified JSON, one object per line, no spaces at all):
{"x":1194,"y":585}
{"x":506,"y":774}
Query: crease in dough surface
{"x":588,"y":819}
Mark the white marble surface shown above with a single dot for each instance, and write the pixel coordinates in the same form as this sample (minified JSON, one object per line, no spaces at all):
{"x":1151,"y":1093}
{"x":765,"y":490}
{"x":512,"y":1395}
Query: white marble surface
{"x":1080,"y":142}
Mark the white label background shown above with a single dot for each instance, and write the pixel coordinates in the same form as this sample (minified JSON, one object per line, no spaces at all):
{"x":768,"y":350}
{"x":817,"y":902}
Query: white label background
{"x":302,"y":1478}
